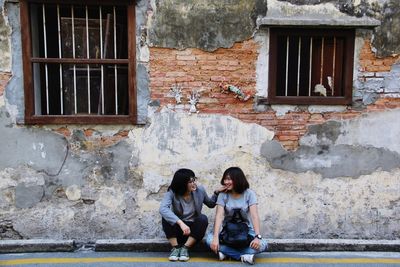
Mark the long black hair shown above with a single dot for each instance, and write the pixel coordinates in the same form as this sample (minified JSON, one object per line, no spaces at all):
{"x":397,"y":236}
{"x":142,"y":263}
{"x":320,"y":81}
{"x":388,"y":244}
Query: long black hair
{"x":180,"y":181}
{"x":240,"y":183}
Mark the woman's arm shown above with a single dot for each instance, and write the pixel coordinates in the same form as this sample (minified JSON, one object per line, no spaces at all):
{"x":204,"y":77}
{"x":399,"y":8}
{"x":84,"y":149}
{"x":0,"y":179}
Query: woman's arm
{"x":219,"y":216}
{"x":255,"y":244}
{"x":165,"y":208}
{"x":210,"y":202}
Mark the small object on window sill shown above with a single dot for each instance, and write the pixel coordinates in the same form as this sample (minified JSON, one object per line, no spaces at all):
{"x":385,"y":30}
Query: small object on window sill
{"x":319,"y":88}
{"x":226,"y":88}
{"x":330,"y":83}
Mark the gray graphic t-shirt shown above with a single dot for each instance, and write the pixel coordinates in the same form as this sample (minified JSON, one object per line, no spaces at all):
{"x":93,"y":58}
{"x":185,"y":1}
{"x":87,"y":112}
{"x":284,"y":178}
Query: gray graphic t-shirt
{"x":243,"y":203}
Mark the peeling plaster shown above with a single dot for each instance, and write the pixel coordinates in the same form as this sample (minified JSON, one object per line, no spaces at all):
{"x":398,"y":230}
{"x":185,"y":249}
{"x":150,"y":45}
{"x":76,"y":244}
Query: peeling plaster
{"x":144,"y":204}
{"x":13,"y":95}
{"x":367,"y":130}
{"x":110,"y":199}
{"x":30,"y":146}
{"x":262,"y":62}
{"x":331,"y":206}
{"x":321,"y":14}
{"x":208,"y":144}
{"x":386,"y":36}
{"x":281,"y":110}
{"x":203,"y":24}
{"x":115,"y":190}
{"x":283,"y":8}
{"x":5,"y":32}
{"x":343,"y":148}
{"x":10,"y":178}
{"x":325,"y":109}
{"x":198,"y":135}
{"x":335,"y":161}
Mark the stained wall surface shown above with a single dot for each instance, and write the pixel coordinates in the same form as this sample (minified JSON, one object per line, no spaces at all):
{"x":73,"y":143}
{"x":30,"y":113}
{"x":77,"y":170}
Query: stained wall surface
{"x":318,"y":171}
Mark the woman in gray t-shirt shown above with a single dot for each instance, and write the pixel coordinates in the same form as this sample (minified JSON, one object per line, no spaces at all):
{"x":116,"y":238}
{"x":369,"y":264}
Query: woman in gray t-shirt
{"x":238,"y":197}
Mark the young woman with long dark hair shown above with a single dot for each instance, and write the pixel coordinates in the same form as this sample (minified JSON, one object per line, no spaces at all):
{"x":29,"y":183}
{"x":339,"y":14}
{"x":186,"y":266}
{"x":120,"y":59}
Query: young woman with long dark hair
{"x":182,"y":220}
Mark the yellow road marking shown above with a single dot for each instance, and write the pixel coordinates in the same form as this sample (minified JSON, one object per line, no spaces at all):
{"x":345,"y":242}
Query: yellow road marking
{"x":330,"y":260}
{"x":258,"y":260}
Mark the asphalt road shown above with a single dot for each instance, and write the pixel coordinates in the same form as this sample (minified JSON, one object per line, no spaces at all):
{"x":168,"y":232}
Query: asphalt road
{"x":152,"y":259}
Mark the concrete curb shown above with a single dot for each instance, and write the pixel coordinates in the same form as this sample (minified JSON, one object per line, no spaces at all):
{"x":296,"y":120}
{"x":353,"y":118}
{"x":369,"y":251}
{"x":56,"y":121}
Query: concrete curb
{"x":275,"y":245}
{"x":156,"y":245}
{"x":161,"y":245}
{"x":333,"y":245}
{"x":36,"y":245}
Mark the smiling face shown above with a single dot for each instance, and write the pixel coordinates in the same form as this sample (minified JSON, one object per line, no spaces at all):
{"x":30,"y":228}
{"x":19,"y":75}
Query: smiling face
{"x":228,"y":182}
{"x":234,"y":180}
{"x":191,"y":185}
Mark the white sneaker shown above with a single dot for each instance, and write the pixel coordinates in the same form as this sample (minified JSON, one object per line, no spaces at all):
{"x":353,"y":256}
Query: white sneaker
{"x":247,"y":258}
{"x":221,"y":256}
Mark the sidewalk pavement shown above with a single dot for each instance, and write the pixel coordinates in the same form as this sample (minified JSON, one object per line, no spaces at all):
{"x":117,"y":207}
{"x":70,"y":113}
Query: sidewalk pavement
{"x":161,"y":245}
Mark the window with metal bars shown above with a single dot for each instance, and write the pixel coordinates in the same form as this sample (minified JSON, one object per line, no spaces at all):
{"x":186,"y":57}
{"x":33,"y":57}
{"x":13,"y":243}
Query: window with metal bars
{"x":79,"y":61}
{"x":310,"y":66}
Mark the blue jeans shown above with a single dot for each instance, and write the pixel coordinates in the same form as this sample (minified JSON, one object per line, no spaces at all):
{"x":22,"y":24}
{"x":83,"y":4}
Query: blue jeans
{"x":235,"y":253}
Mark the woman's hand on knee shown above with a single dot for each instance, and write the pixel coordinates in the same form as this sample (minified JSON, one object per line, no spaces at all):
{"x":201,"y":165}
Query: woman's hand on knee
{"x":215,"y":245}
{"x":255,"y":244}
{"x":185,"y":228}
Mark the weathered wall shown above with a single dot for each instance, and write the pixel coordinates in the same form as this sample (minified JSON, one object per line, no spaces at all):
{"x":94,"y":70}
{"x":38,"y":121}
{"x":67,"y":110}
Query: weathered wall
{"x":319,"y":171}
{"x":205,"y":24}
{"x":4,"y":43}
{"x":387,"y":40}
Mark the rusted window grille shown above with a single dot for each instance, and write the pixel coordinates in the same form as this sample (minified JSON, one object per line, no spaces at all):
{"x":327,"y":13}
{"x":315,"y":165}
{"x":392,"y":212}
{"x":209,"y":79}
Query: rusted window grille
{"x":78,"y":62}
{"x":311,"y":66}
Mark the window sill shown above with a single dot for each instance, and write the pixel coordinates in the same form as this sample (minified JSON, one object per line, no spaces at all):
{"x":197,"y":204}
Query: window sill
{"x":80,"y":119}
{"x":316,"y":100}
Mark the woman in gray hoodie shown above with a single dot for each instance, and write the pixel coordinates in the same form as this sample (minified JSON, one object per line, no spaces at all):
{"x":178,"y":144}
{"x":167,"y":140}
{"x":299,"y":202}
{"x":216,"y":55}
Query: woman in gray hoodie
{"x":182,"y":221}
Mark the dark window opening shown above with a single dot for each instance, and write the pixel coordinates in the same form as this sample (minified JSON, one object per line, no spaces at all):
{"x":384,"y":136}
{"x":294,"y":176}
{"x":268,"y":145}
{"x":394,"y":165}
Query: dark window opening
{"x":78,"y":62}
{"x":311,"y":66}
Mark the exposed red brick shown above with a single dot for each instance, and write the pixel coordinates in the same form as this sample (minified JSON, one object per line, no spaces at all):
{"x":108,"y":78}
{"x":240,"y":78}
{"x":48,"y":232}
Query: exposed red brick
{"x":290,"y":145}
{"x":64,"y":131}
{"x":197,"y":69}
{"x":4,"y":78}
{"x":188,"y":58}
{"x":123,"y":133}
{"x":88,"y":132}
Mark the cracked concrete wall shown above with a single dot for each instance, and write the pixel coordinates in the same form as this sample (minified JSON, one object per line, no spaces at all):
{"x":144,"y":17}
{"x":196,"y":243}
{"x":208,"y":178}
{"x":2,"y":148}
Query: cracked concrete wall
{"x":93,"y":182}
{"x":114,"y":191}
{"x":208,"y":25}
{"x":343,"y":149}
{"x":204,"y":24}
{"x":5,"y":52}
{"x":387,"y":35}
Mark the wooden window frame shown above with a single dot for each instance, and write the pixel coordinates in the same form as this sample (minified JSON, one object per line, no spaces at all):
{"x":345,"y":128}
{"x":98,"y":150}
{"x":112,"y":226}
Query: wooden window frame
{"x":347,"y":64}
{"x":28,"y":60}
